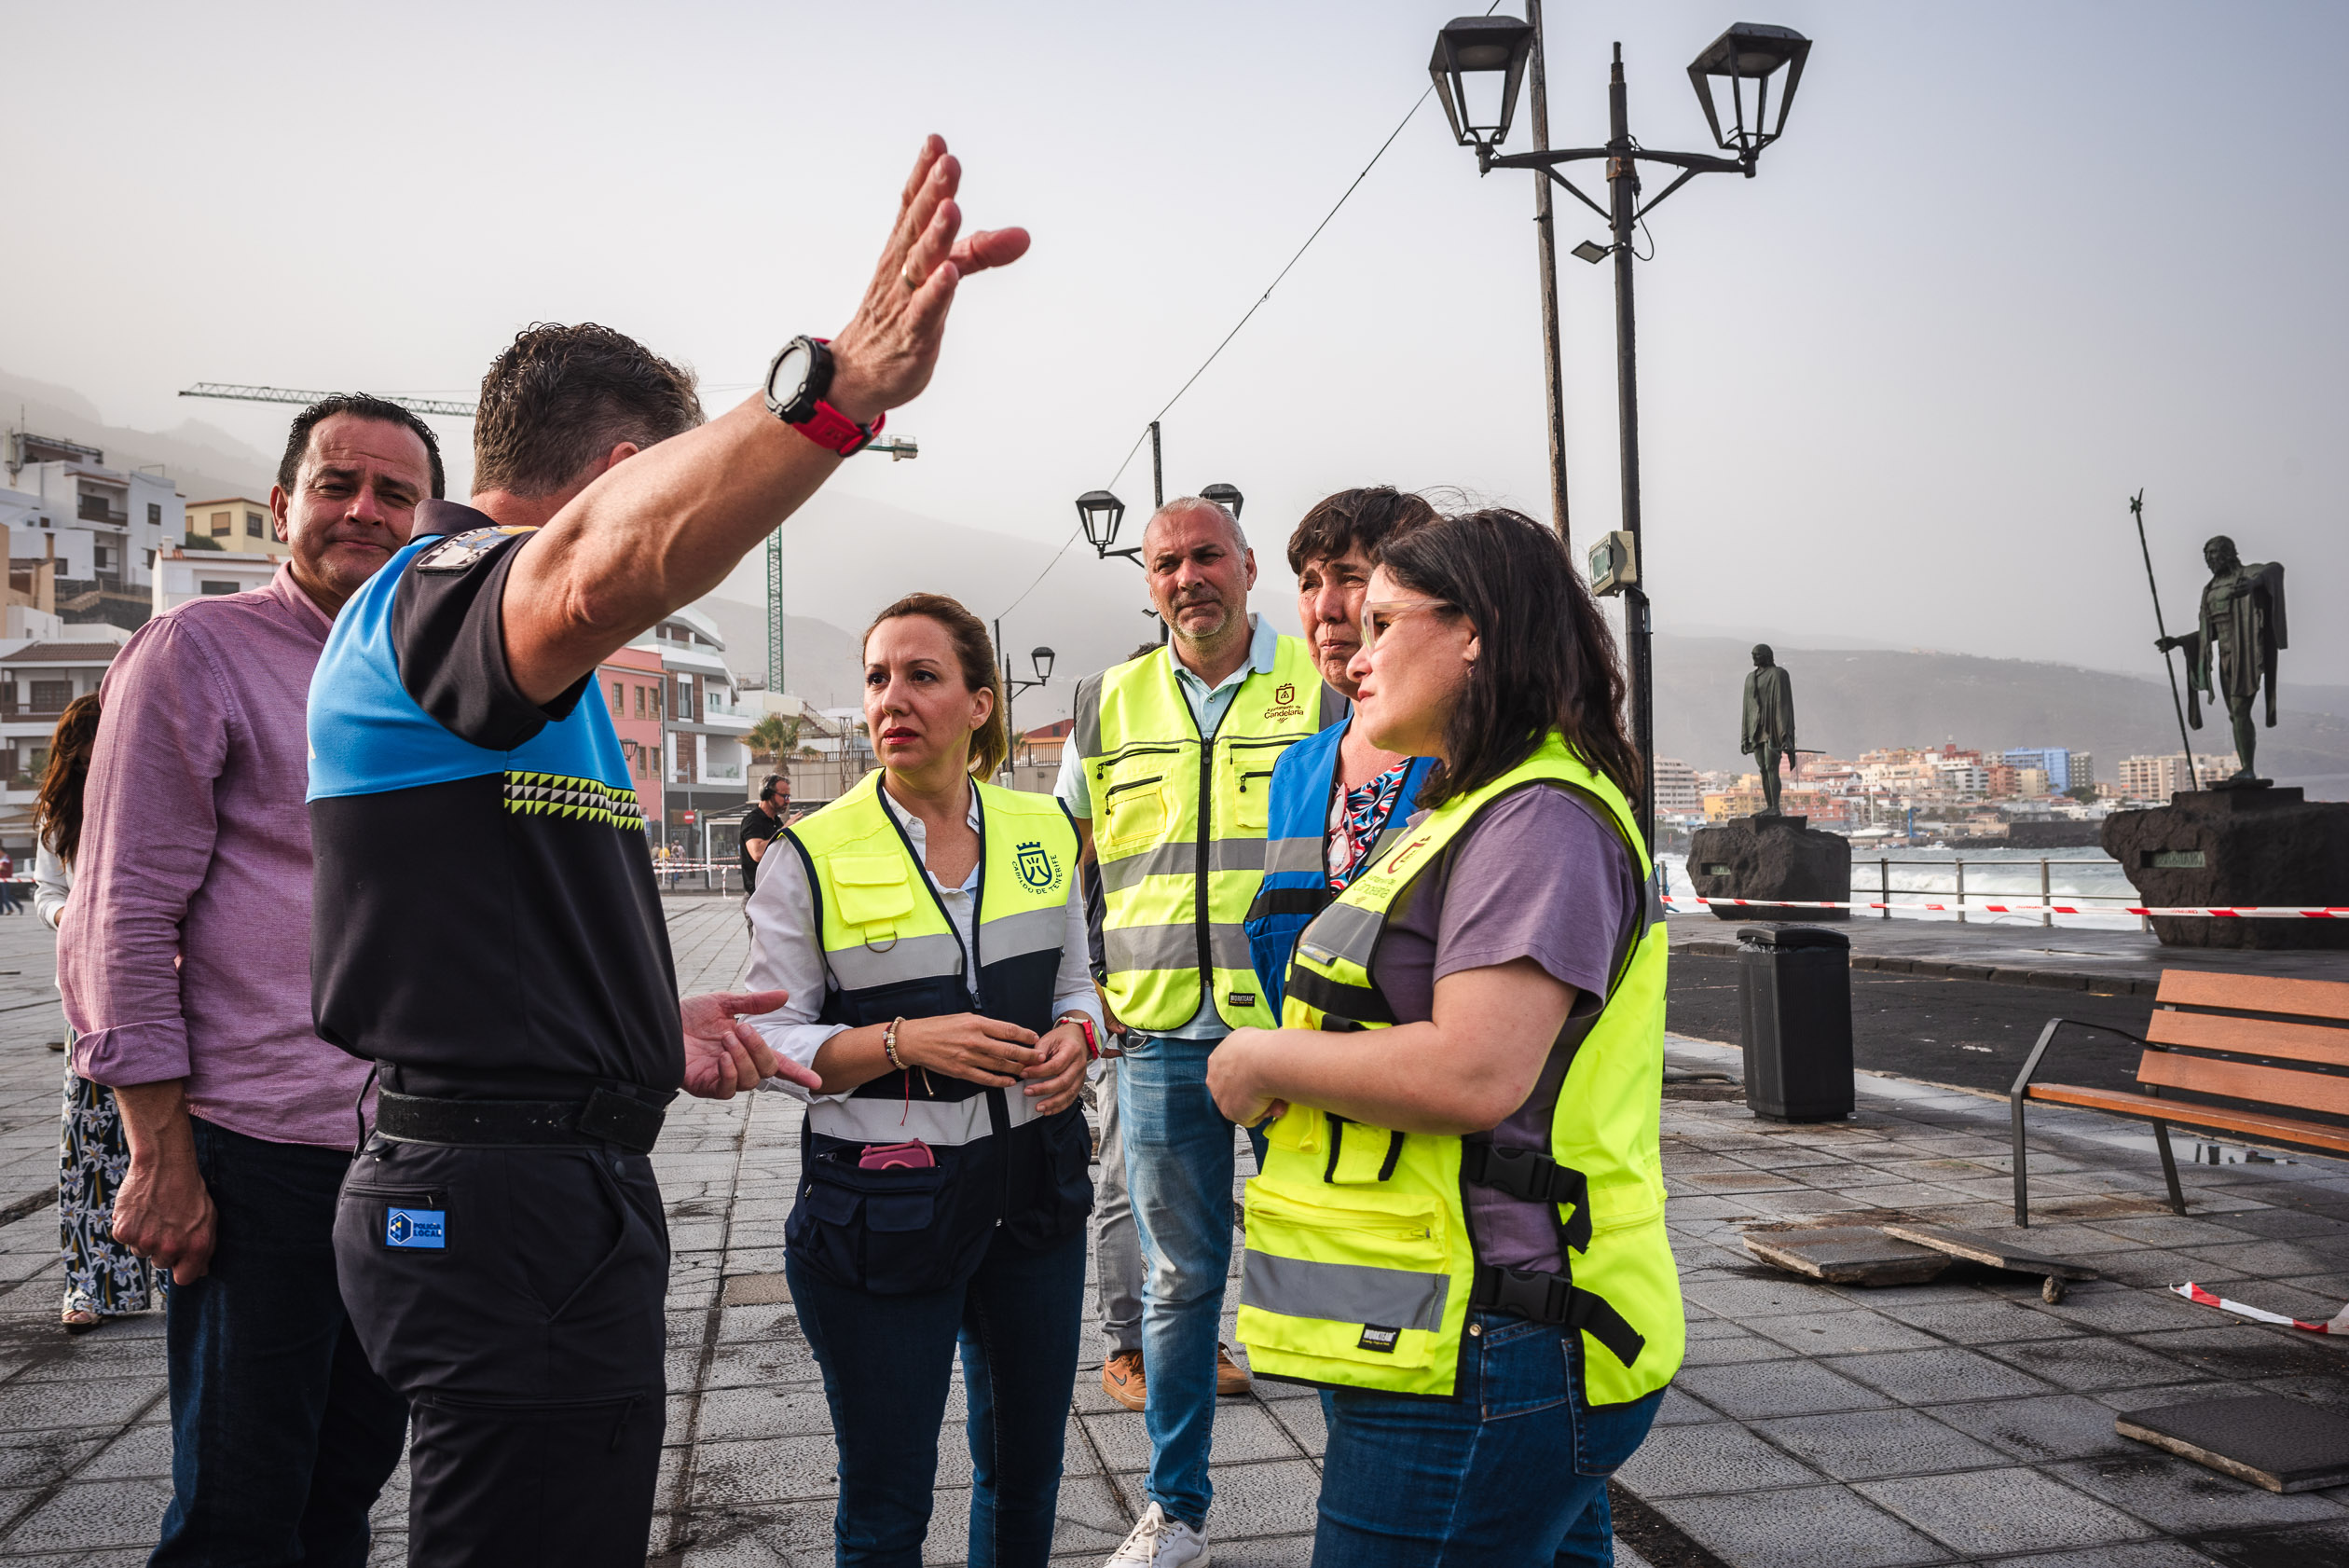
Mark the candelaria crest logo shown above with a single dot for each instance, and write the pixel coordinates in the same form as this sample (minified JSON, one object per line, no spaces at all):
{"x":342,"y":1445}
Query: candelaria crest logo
{"x":1037,"y":869}
{"x":1284,"y":702}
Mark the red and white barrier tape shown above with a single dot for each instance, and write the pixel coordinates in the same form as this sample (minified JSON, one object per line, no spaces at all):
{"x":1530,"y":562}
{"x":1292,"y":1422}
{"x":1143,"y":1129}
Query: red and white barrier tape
{"x":2194,"y":1292}
{"x":2312,"y":911}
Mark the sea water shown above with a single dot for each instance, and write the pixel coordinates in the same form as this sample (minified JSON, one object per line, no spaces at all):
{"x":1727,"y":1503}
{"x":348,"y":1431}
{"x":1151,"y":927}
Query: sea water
{"x":2085,"y":878}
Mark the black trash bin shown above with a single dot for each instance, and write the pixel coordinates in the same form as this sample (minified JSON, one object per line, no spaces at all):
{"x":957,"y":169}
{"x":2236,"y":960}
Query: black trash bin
{"x":1794,"y":989}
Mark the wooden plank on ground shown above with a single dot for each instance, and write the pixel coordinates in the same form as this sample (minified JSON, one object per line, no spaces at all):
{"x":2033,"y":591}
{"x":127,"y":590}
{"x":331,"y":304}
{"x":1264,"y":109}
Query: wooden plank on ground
{"x":1978,"y":1249}
{"x":1847,"y":1255}
{"x":2252,"y":993}
{"x":2269,"y":1439}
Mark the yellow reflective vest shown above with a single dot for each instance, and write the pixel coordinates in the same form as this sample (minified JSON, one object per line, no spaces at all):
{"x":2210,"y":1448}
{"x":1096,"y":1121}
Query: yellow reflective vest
{"x":890,"y":952}
{"x":1178,"y":827}
{"x":1361,"y":1266}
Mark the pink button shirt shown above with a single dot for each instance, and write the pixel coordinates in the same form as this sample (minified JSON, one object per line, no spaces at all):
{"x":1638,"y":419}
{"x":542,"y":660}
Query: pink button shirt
{"x":185,"y":951}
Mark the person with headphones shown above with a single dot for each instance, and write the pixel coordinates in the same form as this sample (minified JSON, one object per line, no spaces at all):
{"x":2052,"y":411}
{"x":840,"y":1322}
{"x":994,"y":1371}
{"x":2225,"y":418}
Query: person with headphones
{"x":930,"y":930}
{"x":761,"y":825}
{"x":1460,"y":1225}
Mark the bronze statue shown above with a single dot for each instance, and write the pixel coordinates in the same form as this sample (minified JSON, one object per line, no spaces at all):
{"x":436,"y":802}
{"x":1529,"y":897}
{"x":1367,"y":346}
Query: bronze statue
{"x":2243,"y":624}
{"x":1769,"y":724}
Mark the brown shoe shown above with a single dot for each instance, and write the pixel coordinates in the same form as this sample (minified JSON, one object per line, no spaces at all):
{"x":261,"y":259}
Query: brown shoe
{"x":1230,"y":1377}
{"x":1121,"y":1380}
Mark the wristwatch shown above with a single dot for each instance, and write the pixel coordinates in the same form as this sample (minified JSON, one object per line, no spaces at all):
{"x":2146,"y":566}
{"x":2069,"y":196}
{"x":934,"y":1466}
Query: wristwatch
{"x":797,"y":379}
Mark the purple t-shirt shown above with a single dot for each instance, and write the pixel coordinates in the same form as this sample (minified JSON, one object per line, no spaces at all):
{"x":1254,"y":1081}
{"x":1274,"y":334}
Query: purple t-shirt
{"x":1537,"y":876}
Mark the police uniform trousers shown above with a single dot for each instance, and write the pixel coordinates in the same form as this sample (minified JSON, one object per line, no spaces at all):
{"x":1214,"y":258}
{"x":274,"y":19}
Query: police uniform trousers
{"x":515,"y":1296}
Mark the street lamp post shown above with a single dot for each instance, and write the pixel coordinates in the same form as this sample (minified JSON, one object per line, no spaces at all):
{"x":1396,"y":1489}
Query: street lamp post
{"x":1039,"y":659}
{"x":1479,"y":66}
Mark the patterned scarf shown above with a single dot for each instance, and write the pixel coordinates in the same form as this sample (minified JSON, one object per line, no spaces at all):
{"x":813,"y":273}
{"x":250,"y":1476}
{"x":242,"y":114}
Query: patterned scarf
{"x":1362,"y":819}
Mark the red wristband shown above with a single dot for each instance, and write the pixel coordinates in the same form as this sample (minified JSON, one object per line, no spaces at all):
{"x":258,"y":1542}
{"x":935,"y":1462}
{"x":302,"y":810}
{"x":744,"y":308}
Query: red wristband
{"x":835,"y":432}
{"x":1093,"y":1047}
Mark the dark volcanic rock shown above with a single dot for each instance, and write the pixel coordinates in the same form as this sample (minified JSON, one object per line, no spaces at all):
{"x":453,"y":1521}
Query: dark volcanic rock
{"x":1771,"y":857}
{"x":2221,"y":848}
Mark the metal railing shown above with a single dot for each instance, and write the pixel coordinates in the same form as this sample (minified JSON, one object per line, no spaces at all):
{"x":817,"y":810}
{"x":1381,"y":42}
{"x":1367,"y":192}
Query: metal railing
{"x":1958,"y":867}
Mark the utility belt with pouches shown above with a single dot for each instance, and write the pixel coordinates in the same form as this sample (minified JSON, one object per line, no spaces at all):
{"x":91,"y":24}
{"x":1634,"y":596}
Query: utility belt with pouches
{"x":605,"y":1115}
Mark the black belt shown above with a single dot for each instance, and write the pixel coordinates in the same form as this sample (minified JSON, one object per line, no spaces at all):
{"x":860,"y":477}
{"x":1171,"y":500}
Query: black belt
{"x":602,"y":1117}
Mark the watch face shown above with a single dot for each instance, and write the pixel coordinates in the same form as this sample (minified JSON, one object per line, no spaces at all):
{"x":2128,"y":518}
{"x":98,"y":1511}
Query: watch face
{"x":789,"y":377}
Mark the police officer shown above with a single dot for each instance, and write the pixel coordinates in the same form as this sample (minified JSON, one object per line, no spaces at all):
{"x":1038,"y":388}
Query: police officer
{"x":487,"y":930}
{"x":930,"y":930}
{"x":1459,"y":1226}
{"x":1168,"y":772}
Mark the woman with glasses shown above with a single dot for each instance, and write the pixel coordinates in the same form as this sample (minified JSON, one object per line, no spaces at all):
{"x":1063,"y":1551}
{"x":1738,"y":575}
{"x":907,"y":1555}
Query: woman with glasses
{"x":1459,"y":1230}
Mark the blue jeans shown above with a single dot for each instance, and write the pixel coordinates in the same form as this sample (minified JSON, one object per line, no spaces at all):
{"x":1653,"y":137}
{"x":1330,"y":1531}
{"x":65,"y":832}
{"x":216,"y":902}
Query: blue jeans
{"x":1511,"y":1474}
{"x":1179,"y":1173}
{"x":281,"y":1434}
{"x":887,"y":1371}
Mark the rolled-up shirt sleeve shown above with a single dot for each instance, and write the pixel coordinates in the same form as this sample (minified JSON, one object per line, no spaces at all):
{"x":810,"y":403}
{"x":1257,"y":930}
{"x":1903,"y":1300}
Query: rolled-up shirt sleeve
{"x":787,"y":955}
{"x":148,"y":829}
{"x":1072,"y":986}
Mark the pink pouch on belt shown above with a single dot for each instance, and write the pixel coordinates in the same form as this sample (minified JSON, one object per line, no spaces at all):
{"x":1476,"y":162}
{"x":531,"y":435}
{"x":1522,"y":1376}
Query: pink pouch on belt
{"x":915,"y":1155}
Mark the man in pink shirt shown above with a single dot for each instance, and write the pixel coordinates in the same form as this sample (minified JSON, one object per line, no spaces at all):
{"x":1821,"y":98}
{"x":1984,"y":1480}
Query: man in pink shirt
{"x":184,"y":960}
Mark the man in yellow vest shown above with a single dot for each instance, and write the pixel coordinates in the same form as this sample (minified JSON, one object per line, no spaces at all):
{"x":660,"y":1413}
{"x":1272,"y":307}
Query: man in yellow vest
{"x":1168,"y":777}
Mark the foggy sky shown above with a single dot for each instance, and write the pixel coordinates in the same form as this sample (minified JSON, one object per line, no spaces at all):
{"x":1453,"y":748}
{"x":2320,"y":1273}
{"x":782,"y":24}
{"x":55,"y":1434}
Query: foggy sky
{"x":2010,"y":264}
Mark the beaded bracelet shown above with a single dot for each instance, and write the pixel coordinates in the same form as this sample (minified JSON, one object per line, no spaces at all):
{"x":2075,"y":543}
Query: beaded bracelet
{"x":889,"y":1043}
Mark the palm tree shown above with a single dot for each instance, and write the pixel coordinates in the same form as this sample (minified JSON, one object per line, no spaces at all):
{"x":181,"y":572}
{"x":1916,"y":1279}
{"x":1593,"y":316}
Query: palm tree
{"x":772,"y":737}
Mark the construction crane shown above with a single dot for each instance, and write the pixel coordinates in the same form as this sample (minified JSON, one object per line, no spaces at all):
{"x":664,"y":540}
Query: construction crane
{"x":899,"y":448}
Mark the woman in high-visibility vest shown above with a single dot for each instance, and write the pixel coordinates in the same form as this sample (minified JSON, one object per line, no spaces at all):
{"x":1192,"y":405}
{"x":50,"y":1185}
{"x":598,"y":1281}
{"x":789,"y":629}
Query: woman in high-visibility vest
{"x":929,"y":927}
{"x":1459,"y":1227}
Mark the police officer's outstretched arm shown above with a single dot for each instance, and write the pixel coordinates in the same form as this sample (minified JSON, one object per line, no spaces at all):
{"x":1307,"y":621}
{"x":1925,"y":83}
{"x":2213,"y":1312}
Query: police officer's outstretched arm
{"x":655,"y":533}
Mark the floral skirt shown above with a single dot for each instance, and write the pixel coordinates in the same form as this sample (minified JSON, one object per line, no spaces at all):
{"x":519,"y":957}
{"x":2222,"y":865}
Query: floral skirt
{"x":102,"y":1275}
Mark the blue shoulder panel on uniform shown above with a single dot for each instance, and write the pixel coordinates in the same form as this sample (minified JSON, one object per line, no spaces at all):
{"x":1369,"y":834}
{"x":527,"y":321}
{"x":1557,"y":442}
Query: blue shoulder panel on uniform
{"x":367,"y":736}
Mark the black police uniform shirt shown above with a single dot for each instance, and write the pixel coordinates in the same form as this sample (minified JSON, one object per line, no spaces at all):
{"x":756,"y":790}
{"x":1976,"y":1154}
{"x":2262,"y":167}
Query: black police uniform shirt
{"x":756,"y":823}
{"x":485,"y":920}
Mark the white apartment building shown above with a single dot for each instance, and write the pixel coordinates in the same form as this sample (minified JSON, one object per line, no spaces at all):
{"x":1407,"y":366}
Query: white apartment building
{"x":37,"y":679}
{"x":102,"y":526}
{"x":705,"y":725}
{"x":1967,"y":781}
{"x":1678,"y":792}
{"x":183,"y":574}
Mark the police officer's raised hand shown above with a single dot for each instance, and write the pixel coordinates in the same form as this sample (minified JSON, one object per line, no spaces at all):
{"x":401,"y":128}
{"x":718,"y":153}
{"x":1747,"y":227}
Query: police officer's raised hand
{"x":967,"y":1046}
{"x":725,"y":1055}
{"x":1055,"y":1079}
{"x":883,"y":357}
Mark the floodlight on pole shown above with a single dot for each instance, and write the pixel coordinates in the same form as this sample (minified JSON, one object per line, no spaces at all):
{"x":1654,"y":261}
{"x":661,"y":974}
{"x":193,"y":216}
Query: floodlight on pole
{"x":1591,"y":252}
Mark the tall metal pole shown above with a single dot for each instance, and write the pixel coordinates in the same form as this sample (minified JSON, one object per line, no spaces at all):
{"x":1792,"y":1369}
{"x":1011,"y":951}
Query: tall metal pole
{"x":1623,"y":185}
{"x":1545,"y":233}
{"x":2136,"y":510}
{"x":1158,"y":499}
{"x":775,"y":611}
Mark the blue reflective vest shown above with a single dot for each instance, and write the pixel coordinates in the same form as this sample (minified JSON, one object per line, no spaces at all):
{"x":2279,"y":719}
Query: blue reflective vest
{"x":1296,"y":867}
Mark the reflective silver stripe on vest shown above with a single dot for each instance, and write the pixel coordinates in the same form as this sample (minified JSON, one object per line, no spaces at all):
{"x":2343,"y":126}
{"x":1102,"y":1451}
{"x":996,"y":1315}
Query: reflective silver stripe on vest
{"x":861,"y":968}
{"x":1297,"y":855}
{"x":1656,"y":895}
{"x":1181,"y":859}
{"x":1131,"y":948}
{"x":1343,"y":1292}
{"x":1343,"y":931}
{"x":1031,"y":930}
{"x":878,"y":1118}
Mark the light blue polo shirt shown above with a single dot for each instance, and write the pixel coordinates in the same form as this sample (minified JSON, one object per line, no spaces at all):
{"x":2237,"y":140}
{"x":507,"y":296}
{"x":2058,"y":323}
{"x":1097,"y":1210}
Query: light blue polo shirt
{"x":1208,"y":706}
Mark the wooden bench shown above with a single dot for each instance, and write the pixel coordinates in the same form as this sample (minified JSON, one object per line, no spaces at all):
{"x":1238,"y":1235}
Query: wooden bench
{"x":2281,"y":1045}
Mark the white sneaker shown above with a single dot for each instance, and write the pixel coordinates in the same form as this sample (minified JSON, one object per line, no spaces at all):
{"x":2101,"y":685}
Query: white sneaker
{"x":1161,"y":1541}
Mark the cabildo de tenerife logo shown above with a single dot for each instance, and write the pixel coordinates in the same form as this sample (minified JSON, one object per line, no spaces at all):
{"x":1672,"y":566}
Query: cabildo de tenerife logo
{"x":1284,"y":703}
{"x":1038,"y":870}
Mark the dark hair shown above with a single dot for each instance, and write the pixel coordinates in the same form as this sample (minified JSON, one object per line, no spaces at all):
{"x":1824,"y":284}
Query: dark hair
{"x":559,"y":397}
{"x":58,"y":808}
{"x":363,"y":406}
{"x":1365,"y":517}
{"x":766,"y":785}
{"x":1547,"y":661}
{"x":991,"y":742}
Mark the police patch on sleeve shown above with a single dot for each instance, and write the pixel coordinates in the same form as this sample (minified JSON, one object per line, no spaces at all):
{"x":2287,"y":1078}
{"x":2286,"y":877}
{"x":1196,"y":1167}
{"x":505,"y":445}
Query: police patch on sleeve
{"x":458,"y":551}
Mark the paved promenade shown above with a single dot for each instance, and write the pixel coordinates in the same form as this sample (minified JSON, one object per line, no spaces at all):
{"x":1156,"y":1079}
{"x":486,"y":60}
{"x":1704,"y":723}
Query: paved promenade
{"x":1964,"y":1421}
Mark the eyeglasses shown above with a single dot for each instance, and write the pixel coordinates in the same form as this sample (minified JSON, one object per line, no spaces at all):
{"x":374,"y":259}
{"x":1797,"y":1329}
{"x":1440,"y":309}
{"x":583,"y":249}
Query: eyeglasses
{"x":1379,"y":619}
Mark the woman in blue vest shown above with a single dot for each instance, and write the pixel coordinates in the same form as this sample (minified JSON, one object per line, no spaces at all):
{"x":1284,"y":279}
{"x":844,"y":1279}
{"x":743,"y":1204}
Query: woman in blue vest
{"x":929,"y":929}
{"x":1334,"y":796}
{"x":1459,"y":1230}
